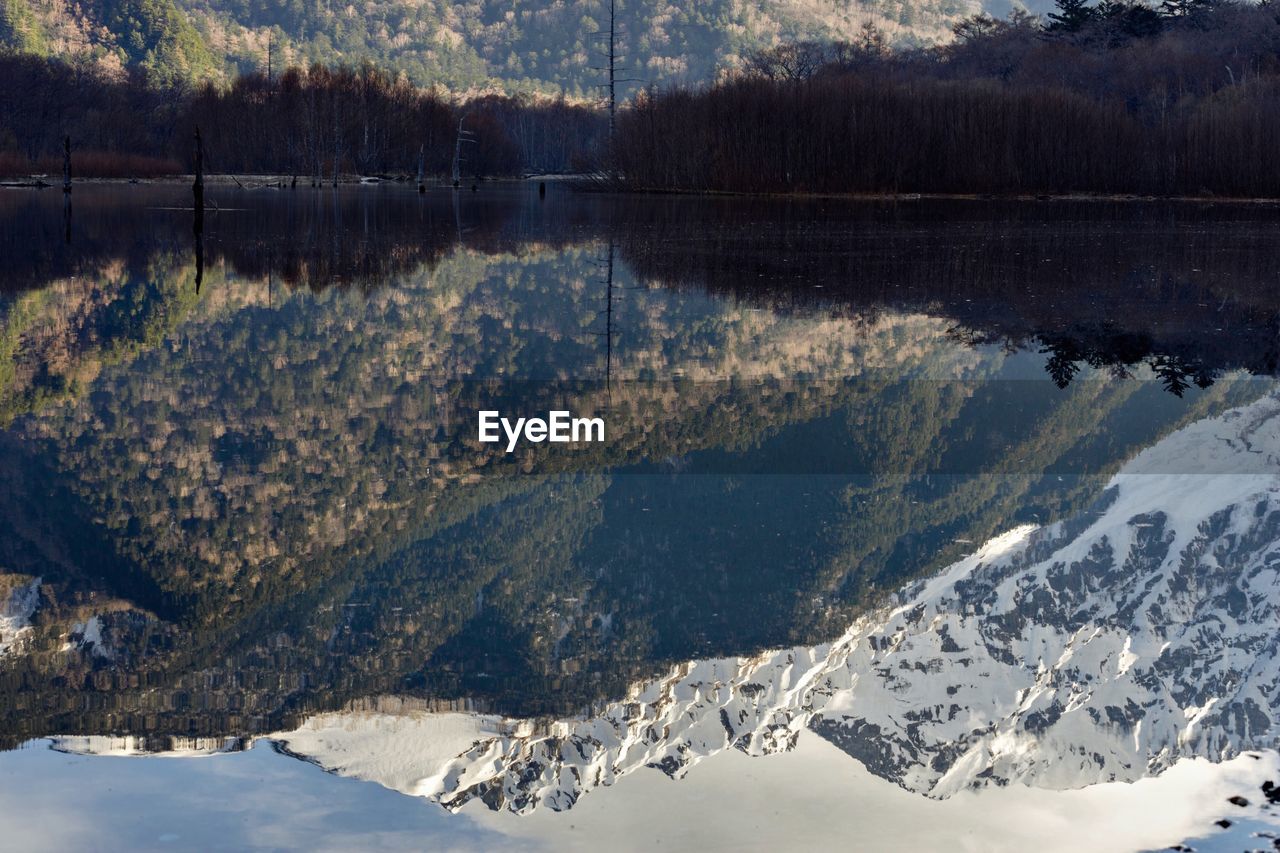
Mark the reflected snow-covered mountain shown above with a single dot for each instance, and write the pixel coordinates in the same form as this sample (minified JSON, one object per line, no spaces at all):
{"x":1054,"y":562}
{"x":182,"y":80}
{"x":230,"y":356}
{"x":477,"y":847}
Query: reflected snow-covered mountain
{"x":1102,"y":648}
{"x":17,"y":602}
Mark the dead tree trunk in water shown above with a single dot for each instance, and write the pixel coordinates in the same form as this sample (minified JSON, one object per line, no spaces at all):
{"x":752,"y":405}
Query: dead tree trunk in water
{"x":199,"y":229}
{"x":66,"y":164}
{"x":197,"y":190}
{"x":422,"y":164}
{"x":197,"y":187}
{"x":337,"y":150}
{"x":463,"y":136}
{"x":613,"y":58}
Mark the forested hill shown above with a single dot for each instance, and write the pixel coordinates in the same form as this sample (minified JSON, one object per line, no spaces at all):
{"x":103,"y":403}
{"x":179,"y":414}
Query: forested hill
{"x":529,"y":45}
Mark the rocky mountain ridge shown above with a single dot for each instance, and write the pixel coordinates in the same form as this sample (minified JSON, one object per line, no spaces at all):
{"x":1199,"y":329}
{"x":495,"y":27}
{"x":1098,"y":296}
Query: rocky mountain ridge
{"x":1104,"y":648}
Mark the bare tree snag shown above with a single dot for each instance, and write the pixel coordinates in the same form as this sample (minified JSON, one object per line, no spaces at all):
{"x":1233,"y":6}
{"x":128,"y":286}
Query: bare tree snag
{"x":197,"y":227}
{"x":197,"y":188}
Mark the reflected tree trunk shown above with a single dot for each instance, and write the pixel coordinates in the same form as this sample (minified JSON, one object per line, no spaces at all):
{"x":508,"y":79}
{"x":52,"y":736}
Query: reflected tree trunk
{"x":197,"y":190}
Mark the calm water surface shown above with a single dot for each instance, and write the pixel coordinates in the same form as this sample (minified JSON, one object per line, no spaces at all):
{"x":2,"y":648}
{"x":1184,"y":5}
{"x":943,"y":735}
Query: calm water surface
{"x":244,"y":516}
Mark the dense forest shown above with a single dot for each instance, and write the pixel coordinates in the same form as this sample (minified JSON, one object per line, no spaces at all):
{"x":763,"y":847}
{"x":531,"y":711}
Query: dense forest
{"x":300,"y":122}
{"x":1116,"y":97}
{"x":1113,"y":98}
{"x":510,"y":46}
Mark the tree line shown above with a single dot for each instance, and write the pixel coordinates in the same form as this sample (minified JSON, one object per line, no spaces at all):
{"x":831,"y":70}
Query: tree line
{"x":311,"y":123}
{"x":1115,"y":97}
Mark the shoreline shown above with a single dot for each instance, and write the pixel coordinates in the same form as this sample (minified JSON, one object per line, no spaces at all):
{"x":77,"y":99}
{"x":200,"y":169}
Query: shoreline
{"x":249,"y":183}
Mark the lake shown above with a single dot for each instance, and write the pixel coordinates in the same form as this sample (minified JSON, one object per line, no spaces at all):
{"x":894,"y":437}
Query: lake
{"x":929,"y":523}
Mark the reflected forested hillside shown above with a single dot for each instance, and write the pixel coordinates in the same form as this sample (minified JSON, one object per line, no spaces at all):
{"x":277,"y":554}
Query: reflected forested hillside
{"x":267,"y":497}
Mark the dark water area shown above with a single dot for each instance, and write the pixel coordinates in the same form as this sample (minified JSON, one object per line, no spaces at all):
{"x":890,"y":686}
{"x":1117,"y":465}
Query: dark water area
{"x":242,"y":483}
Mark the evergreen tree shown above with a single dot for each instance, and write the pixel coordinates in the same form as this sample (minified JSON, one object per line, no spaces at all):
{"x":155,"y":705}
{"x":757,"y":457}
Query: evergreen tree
{"x":1071,"y":16}
{"x":19,"y":29}
{"x":1125,"y":20}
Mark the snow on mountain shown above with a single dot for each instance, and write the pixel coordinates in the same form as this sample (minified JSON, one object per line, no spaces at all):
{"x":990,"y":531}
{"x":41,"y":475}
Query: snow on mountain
{"x":16,"y":609}
{"x":1103,"y":648}
{"x":392,"y":749}
{"x":88,"y":635}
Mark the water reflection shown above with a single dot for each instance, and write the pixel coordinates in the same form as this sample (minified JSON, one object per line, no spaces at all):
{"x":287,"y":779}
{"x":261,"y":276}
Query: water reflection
{"x":1185,"y":289}
{"x":228,"y":510}
{"x":1103,"y":648}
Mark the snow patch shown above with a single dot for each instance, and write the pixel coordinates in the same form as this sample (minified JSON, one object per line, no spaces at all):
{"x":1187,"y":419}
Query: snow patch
{"x":422,"y":745}
{"x":16,"y":611}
